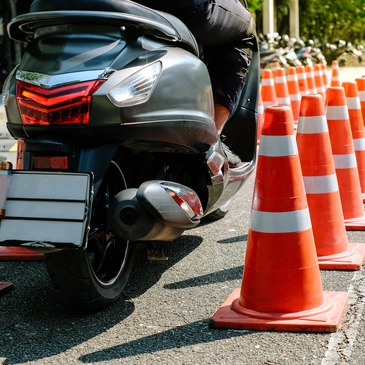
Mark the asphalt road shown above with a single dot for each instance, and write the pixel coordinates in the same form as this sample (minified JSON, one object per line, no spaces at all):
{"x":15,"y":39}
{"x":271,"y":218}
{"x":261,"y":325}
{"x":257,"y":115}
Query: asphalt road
{"x":163,"y":317}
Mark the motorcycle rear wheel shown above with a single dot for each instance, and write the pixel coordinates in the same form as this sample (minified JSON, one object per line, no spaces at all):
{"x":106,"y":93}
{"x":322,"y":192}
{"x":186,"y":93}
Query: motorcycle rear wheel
{"x":90,"y":280}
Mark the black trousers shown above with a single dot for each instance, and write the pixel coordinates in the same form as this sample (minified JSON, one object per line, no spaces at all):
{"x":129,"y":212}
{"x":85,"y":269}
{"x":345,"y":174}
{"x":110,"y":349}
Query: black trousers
{"x":225,"y":29}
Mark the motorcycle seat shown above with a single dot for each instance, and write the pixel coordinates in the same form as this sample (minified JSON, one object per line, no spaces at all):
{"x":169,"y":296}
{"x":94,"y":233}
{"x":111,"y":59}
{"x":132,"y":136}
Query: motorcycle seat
{"x":179,"y":31}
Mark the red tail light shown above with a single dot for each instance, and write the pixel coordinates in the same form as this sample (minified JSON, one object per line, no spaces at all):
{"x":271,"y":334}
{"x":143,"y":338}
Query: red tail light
{"x":53,"y":162}
{"x":65,"y":105}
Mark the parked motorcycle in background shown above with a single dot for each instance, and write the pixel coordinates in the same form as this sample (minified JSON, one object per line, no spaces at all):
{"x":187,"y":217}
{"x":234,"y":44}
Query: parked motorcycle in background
{"x":270,"y":53}
{"x":315,"y":52}
{"x":344,"y":52}
{"x":275,"y":48}
{"x":289,"y":51}
{"x":115,"y":110}
{"x":303,"y":52}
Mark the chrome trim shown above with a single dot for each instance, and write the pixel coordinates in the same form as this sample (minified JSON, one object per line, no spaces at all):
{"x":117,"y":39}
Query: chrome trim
{"x":215,"y":163}
{"x":49,"y":81}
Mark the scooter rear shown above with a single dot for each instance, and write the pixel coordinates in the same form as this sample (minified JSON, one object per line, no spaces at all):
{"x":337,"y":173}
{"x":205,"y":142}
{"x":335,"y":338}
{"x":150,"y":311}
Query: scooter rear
{"x":115,"y":109}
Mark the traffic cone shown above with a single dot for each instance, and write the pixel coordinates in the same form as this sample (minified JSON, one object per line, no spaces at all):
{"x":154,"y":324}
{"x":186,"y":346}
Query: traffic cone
{"x":318,"y":79}
{"x":310,"y":79}
{"x":361,"y":87}
{"x":294,"y":93}
{"x":345,"y":159}
{"x":260,"y":117}
{"x":325,"y":75}
{"x":336,"y":77}
{"x":281,"y":88}
{"x":275,"y":67}
{"x":5,"y":287}
{"x":357,"y":128}
{"x":19,"y":254}
{"x":334,"y":252}
{"x":281,"y":285}
{"x":268,"y":92}
{"x":302,"y":80}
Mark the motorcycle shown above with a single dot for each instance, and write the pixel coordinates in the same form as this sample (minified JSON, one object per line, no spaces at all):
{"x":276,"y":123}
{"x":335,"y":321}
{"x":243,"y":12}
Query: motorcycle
{"x":113,"y":105}
{"x":303,"y":52}
{"x":270,"y":53}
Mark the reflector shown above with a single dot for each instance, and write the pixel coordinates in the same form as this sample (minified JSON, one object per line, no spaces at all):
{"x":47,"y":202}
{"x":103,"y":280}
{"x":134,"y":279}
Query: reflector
{"x":68,"y":104}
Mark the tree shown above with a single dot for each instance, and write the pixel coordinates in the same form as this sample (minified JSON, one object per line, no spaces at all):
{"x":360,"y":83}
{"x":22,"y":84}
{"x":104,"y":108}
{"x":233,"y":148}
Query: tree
{"x":320,"y":19}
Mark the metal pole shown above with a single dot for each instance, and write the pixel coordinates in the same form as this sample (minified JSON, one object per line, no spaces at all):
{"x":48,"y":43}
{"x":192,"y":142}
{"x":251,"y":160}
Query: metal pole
{"x":268,"y":25}
{"x":294,"y":18}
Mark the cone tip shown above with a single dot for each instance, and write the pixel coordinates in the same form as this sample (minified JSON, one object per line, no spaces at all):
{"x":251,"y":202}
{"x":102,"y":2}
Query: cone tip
{"x":312,"y":105}
{"x":278,"y":120}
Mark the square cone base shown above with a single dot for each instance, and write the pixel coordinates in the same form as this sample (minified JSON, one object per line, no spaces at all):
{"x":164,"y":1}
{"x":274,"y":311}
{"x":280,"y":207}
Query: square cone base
{"x":19,"y":254}
{"x":5,"y":287}
{"x":326,"y":318}
{"x":355,"y":224}
{"x":351,"y":259}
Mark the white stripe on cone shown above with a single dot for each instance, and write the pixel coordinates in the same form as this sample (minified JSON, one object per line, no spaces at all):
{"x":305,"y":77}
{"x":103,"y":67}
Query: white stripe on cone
{"x":278,"y":146}
{"x":280,"y":222}
{"x":320,"y":184}
{"x":347,"y":161}
{"x":311,"y":125}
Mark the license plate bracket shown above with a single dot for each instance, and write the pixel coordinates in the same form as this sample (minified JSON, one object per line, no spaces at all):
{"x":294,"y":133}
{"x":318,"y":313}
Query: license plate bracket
{"x":46,"y":209}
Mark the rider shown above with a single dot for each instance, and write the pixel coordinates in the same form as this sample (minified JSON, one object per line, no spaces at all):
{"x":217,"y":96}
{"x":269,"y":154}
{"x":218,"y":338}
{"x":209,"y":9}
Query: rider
{"x":226,"y":31}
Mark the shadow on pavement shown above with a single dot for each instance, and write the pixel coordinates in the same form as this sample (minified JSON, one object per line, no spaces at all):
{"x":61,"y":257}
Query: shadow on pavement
{"x":188,"y":335}
{"x":33,"y":323}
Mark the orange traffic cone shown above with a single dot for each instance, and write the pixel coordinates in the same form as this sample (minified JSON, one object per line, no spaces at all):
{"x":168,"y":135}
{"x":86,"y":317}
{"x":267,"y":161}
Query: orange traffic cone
{"x":260,"y":117}
{"x":320,"y":181}
{"x":5,"y":287}
{"x":275,"y":67}
{"x":302,"y":80}
{"x":357,"y":128}
{"x":361,"y":87}
{"x":345,"y":159}
{"x":268,"y":88}
{"x":325,"y":75}
{"x":310,"y":79}
{"x":336,"y":77}
{"x":281,"y":88}
{"x":19,"y":254}
{"x":294,"y":93}
{"x":281,"y":285}
{"x":318,"y":79}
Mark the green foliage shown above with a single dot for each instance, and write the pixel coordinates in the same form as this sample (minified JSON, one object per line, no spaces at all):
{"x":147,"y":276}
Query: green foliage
{"x":324,"y":20}
{"x":331,"y":20}
{"x":255,"y":5}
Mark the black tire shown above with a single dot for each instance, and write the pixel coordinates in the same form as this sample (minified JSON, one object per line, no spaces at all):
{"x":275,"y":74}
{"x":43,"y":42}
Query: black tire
{"x":89,"y":280}
{"x":216,"y":215}
{"x":219,"y":213}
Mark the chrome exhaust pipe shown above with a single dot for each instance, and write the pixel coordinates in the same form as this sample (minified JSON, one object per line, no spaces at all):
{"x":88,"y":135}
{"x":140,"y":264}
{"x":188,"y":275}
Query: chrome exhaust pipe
{"x":156,"y":211}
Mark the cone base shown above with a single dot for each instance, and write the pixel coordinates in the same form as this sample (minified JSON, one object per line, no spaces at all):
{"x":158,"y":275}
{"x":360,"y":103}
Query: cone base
{"x":351,"y":259}
{"x":355,"y":224}
{"x":19,"y":254}
{"x":326,"y":318}
{"x":5,"y":287}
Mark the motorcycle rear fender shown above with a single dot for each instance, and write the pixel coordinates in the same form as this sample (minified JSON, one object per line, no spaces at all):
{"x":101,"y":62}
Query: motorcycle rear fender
{"x":82,"y":158}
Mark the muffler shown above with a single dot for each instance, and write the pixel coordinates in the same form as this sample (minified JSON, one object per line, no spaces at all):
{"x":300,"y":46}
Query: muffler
{"x":156,"y":211}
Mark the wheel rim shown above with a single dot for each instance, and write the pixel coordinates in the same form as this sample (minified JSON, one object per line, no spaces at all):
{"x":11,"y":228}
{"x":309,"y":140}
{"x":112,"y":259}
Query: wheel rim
{"x":107,"y":254}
